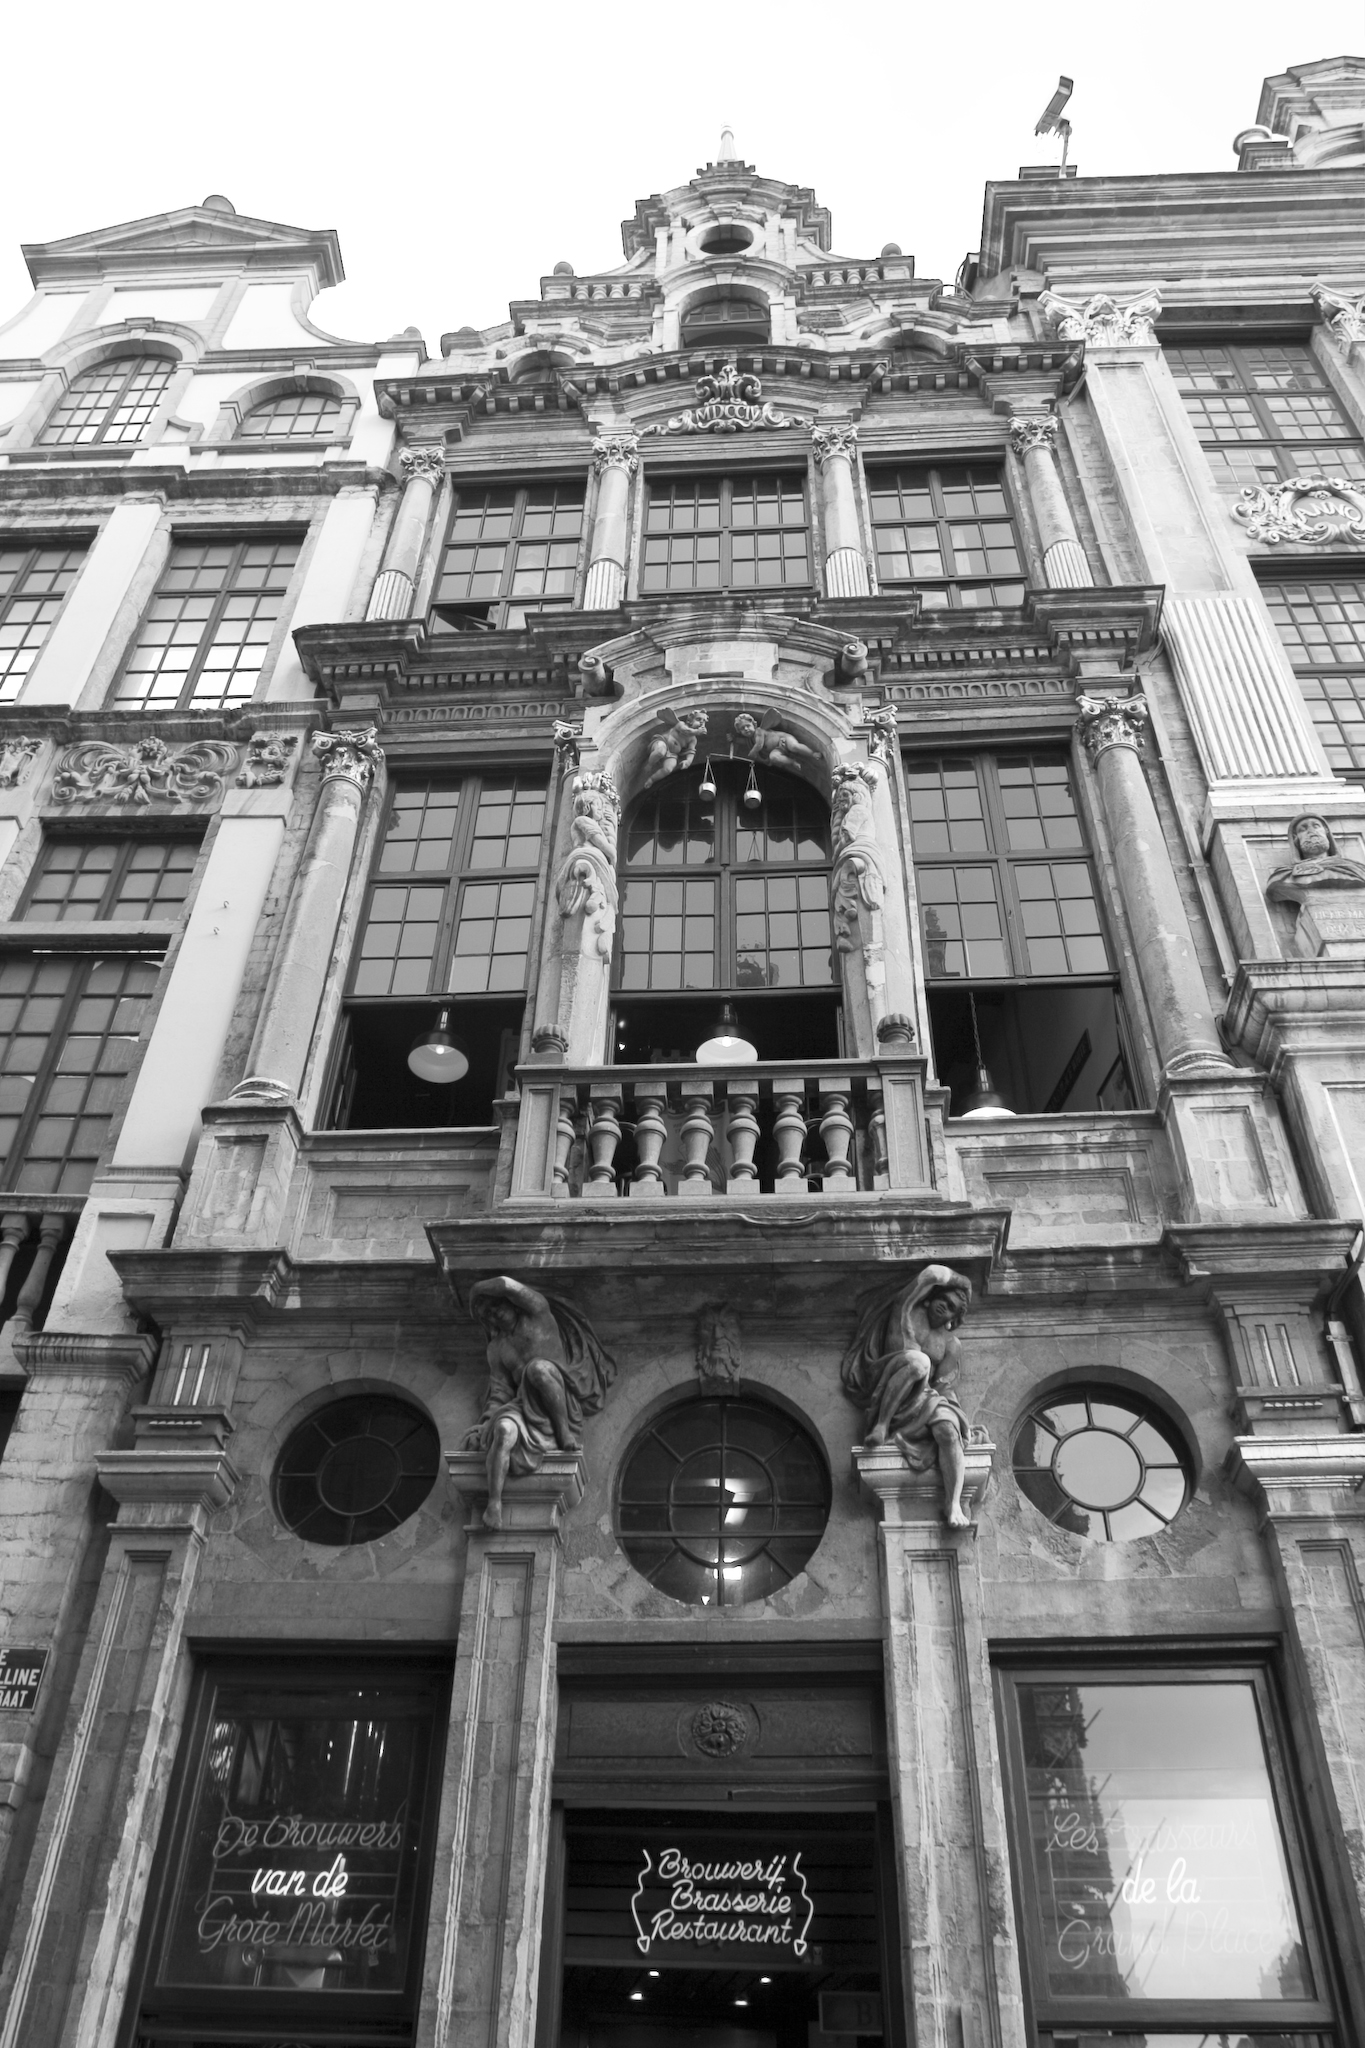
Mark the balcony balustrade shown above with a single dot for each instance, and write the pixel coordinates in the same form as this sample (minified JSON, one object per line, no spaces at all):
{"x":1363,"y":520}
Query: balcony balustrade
{"x":39,"y":1225}
{"x":690,"y":1133}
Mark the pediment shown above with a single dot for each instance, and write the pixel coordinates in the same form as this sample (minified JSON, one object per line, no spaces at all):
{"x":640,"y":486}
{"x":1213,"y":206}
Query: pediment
{"x":203,"y":238}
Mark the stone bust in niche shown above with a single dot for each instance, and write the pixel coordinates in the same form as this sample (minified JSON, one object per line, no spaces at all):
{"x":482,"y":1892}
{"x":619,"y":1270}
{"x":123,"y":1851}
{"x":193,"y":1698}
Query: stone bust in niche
{"x":1317,"y":865}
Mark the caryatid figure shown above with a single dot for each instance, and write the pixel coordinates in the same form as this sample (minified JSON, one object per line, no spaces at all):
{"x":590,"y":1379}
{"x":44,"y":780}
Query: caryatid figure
{"x":901,"y":1368}
{"x":546,"y":1371}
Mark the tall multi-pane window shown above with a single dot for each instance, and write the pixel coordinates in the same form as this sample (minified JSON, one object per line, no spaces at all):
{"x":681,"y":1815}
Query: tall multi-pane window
{"x":448,"y":918}
{"x":1015,"y":952}
{"x":34,"y":578}
{"x":511,"y":549}
{"x":69,"y":1026}
{"x":292,"y":416}
{"x":114,"y":402}
{"x":1264,"y":411}
{"x":726,"y":533}
{"x":946,"y":530}
{"x":720,"y":898}
{"x":1321,"y":620}
{"x":204,"y":639}
{"x":129,"y":879}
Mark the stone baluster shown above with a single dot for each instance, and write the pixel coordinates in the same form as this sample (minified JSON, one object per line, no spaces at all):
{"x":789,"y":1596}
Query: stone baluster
{"x":697,"y":1134}
{"x":789,"y":1131}
{"x":835,"y":450}
{"x":604,"y":1135}
{"x":1033,"y":436}
{"x":423,"y":471}
{"x":836,"y":1129}
{"x":651,"y":1134}
{"x":615,"y":458}
{"x":564,"y":1138}
{"x":51,"y":1231}
{"x":742,"y":1134}
{"x":13,"y":1231}
{"x":306,"y":951}
{"x":878,"y":1147}
{"x":1110,"y":729}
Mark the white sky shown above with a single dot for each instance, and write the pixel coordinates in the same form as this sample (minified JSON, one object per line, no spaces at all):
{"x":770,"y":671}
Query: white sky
{"x":460,"y":151}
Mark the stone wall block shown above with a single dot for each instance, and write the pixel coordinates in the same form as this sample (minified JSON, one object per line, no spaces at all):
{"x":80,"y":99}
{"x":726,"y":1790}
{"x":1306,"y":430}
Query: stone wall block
{"x":243,"y":1173}
{"x":1231,"y":1155}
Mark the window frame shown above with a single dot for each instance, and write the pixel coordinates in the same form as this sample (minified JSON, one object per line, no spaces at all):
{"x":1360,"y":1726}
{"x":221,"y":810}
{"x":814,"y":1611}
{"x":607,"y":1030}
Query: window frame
{"x":336,"y":431}
{"x":1333,"y":570}
{"x":1017,"y":1664}
{"x":48,"y":433}
{"x":239,"y":540}
{"x":882,"y":468}
{"x":32,"y":547}
{"x":1277,"y":447}
{"x":127,"y":841}
{"x":783,"y":471}
{"x":1003,"y":859}
{"x":466,"y":611}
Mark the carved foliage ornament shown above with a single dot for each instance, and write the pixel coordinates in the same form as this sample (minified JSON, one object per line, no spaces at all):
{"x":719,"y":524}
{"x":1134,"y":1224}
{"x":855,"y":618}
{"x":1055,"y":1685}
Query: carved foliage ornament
{"x":1345,"y":316}
{"x":833,"y":441}
{"x":731,"y":403}
{"x":720,"y":1729}
{"x":1029,"y":431}
{"x":145,"y":772}
{"x":616,"y":451}
{"x":1102,"y":321}
{"x":268,"y":760}
{"x":1110,"y":722}
{"x":1321,"y":510}
{"x":349,"y":755}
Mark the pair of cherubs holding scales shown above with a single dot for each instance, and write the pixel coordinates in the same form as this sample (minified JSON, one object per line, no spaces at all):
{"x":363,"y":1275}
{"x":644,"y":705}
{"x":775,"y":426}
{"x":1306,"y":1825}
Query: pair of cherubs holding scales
{"x":901,"y":1368}
{"x":546,"y":1371}
{"x":675,"y":748}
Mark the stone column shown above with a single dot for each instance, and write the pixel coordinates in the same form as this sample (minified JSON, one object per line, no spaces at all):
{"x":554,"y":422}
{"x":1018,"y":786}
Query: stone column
{"x":423,"y":473}
{"x":960,"y":1963}
{"x":304,"y":953}
{"x":615,"y":459}
{"x":1244,"y":705}
{"x":483,"y":1953}
{"x":835,"y":449}
{"x":1033,"y":436}
{"x":1110,"y":729}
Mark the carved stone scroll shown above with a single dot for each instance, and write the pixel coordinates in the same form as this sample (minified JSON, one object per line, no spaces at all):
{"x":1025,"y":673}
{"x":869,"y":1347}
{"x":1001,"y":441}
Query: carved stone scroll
{"x":268,"y":760}
{"x":1321,"y":511}
{"x":731,"y":403}
{"x":145,"y":772}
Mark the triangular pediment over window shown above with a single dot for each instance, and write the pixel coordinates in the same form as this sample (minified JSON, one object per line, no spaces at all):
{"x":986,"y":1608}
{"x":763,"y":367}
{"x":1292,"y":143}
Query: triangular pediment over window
{"x":210,"y":238}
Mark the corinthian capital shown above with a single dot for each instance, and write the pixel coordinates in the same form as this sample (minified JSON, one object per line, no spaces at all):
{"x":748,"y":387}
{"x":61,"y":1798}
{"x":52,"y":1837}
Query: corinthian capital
{"x":427,"y":462}
{"x":1345,"y":316}
{"x":616,"y":451}
{"x":1110,"y":722}
{"x":831,"y":441}
{"x":1102,"y":321}
{"x":349,"y":756}
{"x":1030,"y":430}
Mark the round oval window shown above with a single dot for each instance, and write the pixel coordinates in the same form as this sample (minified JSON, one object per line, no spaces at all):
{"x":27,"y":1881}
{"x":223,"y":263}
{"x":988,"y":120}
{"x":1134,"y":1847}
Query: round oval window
{"x":1101,"y":1463}
{"x":722,"y":1501}
{"x":356,"y":1469}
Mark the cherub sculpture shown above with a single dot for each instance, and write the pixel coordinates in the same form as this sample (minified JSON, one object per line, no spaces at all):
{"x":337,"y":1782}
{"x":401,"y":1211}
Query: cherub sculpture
{"x":546,"y":1371}
{"x":676,"y":746}
{"x":901,"y":1368}
{"x":769,"y":744}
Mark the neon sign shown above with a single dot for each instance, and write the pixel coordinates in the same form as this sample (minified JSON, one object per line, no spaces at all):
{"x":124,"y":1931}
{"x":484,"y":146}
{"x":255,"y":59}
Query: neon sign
{"x":753,"y":1901}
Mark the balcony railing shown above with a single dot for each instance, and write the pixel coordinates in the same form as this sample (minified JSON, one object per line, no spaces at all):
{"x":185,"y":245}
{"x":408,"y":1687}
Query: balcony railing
{"x":691,"y":1133}
{"x":38,"y":1227}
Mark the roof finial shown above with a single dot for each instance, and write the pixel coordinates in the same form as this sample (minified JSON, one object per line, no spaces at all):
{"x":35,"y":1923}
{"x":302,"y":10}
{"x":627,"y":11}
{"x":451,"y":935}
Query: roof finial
{"x":727,"y":145}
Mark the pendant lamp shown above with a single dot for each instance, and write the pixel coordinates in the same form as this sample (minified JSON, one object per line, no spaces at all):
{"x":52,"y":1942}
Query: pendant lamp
{"x":985,"y":1099}
{"x":725,"y":1047}
{"x":437,"y":1057}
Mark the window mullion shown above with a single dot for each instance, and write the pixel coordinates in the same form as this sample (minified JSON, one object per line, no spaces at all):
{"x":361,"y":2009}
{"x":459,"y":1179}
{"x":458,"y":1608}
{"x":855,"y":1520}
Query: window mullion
{"x":208,"y":631}
{"x":121,"y":863}
{"x":1004,"y":862}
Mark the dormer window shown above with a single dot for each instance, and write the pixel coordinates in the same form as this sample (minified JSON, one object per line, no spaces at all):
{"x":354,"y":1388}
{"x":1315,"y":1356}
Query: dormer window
{"x":725,"y":321}
{"x":293,"y":416}
{"x":112,"y":402}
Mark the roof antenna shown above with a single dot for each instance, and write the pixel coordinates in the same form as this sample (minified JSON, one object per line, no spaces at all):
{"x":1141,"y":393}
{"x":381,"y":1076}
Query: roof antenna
{"x":727,"y":145}
{"x":1050,"y":121}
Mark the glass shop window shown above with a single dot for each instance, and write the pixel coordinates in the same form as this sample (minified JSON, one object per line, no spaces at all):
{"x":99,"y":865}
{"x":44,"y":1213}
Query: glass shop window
{"x":723,"y":1930}
{"x":1019,"y":971}
{"x":447,"y":925}
{"x":1161,"y":1883}
{"x":1265,"y":411}
{"x":511,"y":549}
{"x":946,"y":530}
{"x":290,"y":1891}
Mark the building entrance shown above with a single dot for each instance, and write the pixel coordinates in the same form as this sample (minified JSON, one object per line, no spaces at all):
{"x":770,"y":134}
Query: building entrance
{"x":718,"y":1929}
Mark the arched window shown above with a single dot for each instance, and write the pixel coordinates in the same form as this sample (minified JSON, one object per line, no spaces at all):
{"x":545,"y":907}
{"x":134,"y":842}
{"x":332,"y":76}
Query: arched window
{"x":112,"y":402}
{"x":725,"y":321}
{"x":293,"y":416}
{"x":726,"y":900}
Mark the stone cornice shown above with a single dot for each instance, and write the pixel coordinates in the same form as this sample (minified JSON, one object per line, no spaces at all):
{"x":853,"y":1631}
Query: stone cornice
{"x":69,"y":484}
{"x":79,"y":1354}
{"x":911,"y":1499}
{"x":1285,"y":1253}
{"x":534,"y":1503}
{"x":178,"y":1476}
{"x":1278,"y":1007}
{"x":1301,"y":1478}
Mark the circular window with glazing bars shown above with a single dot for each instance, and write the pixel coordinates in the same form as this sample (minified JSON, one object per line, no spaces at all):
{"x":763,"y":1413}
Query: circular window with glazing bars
{"x":1101,"y":1463}
{"x":356,"y":1469}
{"x":722,"y":1500}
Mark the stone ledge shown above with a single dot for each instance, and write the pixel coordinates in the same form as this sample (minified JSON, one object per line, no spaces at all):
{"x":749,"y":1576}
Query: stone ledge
{"x":1297,"y":1476}
{"x":911,"y":1499}
{"x":535,"y":1503}
{"x":175,"y":1477}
